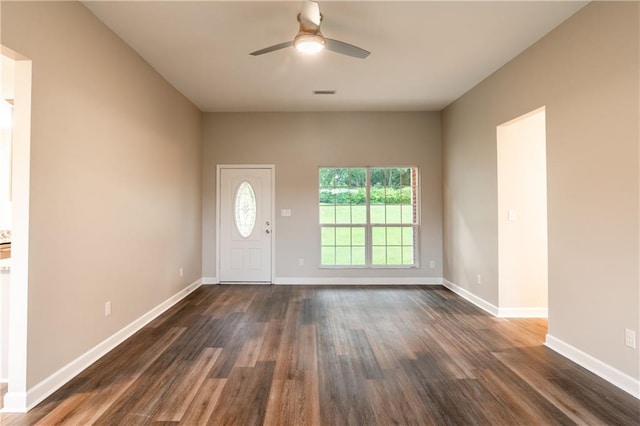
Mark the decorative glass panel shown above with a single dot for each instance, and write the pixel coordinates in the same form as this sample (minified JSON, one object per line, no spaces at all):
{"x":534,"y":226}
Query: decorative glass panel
{"x":245,"y":209}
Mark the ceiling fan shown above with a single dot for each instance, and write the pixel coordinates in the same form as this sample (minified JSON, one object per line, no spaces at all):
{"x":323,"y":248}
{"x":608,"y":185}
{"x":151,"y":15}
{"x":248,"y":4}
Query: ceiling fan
{"x":309,"y":38}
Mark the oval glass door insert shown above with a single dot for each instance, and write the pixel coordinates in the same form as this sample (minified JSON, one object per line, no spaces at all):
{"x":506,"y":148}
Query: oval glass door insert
{"x":245,"y":208}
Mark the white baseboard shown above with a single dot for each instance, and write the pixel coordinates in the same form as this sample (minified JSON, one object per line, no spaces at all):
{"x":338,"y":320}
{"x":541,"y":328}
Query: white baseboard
{"x":608,"y":373}
{"x":357,"y":281}
{"x":467,"y":295}
{"x":614,"y":376}
{"x":342,"y":281}
{"x":18,"y":402}
{"x":523,"y":312}
{"x":15,"y":402}
{"x":494,"y":310}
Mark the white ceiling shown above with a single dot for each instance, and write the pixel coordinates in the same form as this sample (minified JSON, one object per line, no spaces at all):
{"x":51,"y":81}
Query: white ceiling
{"x":425,"y":54}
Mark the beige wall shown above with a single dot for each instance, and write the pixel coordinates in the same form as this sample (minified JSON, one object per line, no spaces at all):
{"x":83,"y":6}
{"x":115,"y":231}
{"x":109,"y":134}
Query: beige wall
{"x":115,"y":182}
{"x":586,"y":72}
{"x":299,"y":143}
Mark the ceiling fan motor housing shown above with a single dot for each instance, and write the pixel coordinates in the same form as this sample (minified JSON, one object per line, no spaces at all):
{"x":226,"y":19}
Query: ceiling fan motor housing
{"x":309,"y":38}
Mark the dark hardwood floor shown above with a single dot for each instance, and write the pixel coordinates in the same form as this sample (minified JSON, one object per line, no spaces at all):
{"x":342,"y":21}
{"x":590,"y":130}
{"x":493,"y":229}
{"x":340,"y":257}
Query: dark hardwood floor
{"x":286,"y":355}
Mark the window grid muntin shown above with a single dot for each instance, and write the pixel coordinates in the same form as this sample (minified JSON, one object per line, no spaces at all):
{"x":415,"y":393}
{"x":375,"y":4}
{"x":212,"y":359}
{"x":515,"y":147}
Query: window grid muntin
{"x":380,"y":242}
{"x":337,"y":243}
{"x":411,"y":177}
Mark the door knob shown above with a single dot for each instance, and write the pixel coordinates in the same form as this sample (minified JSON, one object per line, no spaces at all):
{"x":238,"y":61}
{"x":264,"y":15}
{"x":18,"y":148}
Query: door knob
{"x":268,"y":223}
{"x":267,"y":231}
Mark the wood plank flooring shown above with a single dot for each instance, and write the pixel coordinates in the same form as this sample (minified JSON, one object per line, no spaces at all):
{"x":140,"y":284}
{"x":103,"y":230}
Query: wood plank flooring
{"x":289,"y":355}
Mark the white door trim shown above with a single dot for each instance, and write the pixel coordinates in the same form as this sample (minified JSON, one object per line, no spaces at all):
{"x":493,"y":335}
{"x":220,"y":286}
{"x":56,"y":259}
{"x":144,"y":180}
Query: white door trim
{"x":17,"y":398}
{"x":274,"y":232}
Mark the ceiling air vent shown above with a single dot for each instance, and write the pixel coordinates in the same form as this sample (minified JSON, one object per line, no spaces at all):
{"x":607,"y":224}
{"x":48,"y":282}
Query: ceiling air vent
{"x":324,"y":92}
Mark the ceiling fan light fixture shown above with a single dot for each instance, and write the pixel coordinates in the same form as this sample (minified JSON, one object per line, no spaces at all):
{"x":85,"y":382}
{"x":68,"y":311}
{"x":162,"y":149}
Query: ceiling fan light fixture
{"x":309,"y":40}
{"x":309,"y":43}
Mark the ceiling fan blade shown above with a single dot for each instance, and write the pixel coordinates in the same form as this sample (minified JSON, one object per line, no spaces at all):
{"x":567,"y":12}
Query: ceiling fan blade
{"x":345,"y":48}
{"x":272,"y":48}
{"x":310,"y":17}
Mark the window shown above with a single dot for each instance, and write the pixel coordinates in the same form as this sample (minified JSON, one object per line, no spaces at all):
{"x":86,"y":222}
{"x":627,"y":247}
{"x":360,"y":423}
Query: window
{"x":369,"y":216}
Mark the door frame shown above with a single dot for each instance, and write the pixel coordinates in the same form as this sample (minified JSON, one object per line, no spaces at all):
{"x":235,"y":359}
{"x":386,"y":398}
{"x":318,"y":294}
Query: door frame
{"x":19,"y":398}
{"x":510,"y":282}
{"x":271,"y":167}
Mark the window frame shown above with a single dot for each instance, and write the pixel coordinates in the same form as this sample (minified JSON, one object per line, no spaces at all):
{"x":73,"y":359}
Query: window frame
{"x":368,"y":226}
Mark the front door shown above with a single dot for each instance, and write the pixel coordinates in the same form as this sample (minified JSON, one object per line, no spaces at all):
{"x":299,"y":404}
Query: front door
{"x":245,"y":224}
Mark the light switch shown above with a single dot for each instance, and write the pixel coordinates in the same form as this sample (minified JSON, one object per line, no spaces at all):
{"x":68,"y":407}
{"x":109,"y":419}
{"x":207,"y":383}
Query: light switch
{"x":512,"y":215}
{"x":285,"y":212}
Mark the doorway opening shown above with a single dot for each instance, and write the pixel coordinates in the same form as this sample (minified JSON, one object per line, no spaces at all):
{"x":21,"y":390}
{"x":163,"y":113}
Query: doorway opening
{"x":15,"y":76}
{"x":522,"y":216}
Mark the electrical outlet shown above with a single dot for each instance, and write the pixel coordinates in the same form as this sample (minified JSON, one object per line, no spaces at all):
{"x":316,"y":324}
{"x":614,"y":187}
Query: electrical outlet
{"x":180,"y":272}
{"x":479,"y":280}
{"x":301,"y":262}
{"x":107,"y":308}
{"x":432,"y":264}
{"x":630,"y":338}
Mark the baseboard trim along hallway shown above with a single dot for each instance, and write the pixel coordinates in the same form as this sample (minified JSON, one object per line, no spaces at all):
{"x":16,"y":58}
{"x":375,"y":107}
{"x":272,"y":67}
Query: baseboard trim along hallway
{"x":358,"y":281}
{"x":325,"y":355}
{"x":20,"y":403}
{"x":467,"y":295}
{"x":607,"y":372}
